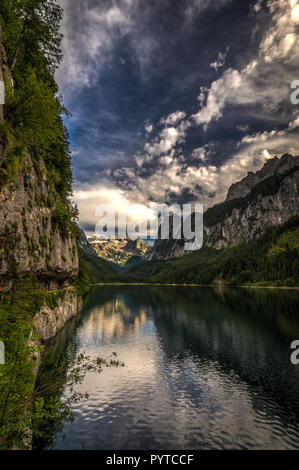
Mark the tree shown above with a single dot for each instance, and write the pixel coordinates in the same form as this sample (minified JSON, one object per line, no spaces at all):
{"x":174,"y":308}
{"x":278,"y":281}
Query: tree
{"x":43,"y":409}
{"x":38,"y":24}
{"x":30,"y":42}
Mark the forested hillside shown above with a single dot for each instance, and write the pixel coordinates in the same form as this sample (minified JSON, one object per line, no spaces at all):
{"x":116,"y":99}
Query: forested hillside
{"x":93,"y":268}
{"x":272,"y":259}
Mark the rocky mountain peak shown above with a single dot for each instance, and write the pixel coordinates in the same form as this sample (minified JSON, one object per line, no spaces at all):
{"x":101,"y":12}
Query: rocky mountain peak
{"x":274,"y":166}
{"x":118,"y":251}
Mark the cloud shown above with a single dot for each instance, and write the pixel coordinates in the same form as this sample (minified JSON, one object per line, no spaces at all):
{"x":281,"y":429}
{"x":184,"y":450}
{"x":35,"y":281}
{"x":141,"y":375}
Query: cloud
{"x":210,"y":183}
{"x":266,"y":79}
{"x":231,"y":88}
{"x":91,"y":197}
{"x":294,"y":124}
{"x":220,"y":61}
{"x":169,"y":137}
{"x":149,"y":128}
{"x":202,"y":153}
{"x":280,"y":40}
{"x":243,"y":127}
{"x":173,"y":118}
{"x":196,"y":7}
{"x":207,"y":183}
{"x":92,"y":31}
{"x":295,"y":13}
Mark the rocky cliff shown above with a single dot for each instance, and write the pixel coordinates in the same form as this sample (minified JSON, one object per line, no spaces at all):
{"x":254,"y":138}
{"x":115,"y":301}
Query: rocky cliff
{"x":269,"y":202}
{"x":274,"y":166}
{"x":263,"y":199}
{"x":32,"y":240}
{"x":50,"y":319}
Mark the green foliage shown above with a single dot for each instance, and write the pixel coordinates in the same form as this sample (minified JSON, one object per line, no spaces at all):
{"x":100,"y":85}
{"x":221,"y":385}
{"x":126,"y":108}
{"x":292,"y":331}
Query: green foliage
{"x":61,"y":219}
{"x":32,"y":32}
{"x":93,"y":269}
{"x":16,"y":376}
{"x":287,"y":241}
{"x":33,"y":113}
{"x":12,"y":165}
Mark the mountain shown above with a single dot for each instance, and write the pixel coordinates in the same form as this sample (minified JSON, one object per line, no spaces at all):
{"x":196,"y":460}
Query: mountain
{"x":272,"y":259}
{"x":274,"y":166}
{"x":272,"y":201}
{"x":120,"y":252}
{"x":263,"y":199}
{"x":94,"y":269}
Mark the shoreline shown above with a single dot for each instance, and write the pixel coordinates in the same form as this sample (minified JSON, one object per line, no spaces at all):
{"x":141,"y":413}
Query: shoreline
{"x":191,"y":285}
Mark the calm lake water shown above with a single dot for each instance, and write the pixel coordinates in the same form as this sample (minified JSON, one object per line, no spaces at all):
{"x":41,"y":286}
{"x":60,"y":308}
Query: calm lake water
{"x":205,"y":368}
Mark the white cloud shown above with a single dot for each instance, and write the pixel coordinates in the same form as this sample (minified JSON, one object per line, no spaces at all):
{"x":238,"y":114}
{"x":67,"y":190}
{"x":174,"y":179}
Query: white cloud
{"x":258,"y":6}
{"x":149,"y":128}
{"x":279,"y":41}
{"x":168,"y":138}
{"x":202,"y":153}
{"x":220,"y":61}
{"x":243,"y":127}
{"x":90,"y":197}
{"x":266,"y":79}
{"x":294,"y":124}
{"x":295,"y":13}
{"x":173,"y":118}
{"x":231,"y":87}
{"x":91,"y":33}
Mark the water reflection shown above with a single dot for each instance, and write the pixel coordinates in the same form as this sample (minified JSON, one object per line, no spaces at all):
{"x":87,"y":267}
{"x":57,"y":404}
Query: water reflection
{"x":205,"y":368}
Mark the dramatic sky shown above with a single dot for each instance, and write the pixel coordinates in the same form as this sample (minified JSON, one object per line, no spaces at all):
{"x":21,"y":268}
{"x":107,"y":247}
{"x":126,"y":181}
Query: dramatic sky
{"x":173,"y":100}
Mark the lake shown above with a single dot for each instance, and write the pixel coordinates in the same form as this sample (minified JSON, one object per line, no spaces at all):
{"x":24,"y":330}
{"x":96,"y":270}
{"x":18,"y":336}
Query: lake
{"x":205,"y":368}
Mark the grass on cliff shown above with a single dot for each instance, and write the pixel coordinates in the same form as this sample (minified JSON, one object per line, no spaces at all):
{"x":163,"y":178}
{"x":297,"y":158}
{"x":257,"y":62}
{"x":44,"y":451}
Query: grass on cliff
{"x":287,"y":241}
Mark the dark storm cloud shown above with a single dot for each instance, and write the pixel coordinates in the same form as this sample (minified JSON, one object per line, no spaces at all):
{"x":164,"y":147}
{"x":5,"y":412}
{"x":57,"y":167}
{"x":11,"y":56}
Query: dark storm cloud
{"x":224,"y":65}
